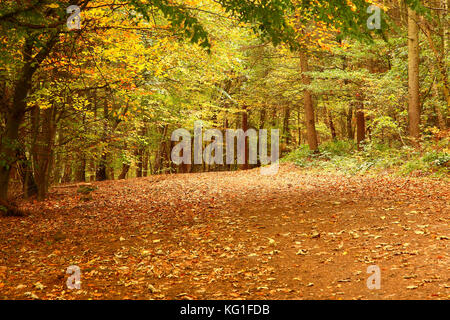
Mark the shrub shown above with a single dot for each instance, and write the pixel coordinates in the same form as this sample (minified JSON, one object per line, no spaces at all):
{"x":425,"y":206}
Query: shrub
{"x":343,"y":156}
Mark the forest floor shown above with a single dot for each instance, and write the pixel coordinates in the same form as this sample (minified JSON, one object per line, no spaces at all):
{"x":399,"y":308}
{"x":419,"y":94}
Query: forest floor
{"x":233,"y":235}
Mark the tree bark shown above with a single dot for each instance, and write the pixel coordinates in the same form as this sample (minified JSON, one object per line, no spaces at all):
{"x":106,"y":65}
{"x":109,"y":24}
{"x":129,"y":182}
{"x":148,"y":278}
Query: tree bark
{"x":80,"y":172}
{"x":413,"y":75}
{"x":16,"y":112}
{"x":101,"y":174}
{"x":26,"y":173}
{"x":286,"y":132}
{"x":245,"y":128}
{"x":44,"y":123}
{"x":331,"y":125}
{"x":123,"y":174}
{"x":140,"y":159}
{"x":441,"y":51}
{"x":440,"y":117}
{"x":159,"y":154}
{"x":309,"y":107}
{"x":360,"y":127}
{"x":145,"y":164}
{"x":350,"y":133}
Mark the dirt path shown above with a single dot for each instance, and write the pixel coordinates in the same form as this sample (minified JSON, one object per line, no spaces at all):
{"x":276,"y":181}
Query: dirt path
{"x":240,"y":235}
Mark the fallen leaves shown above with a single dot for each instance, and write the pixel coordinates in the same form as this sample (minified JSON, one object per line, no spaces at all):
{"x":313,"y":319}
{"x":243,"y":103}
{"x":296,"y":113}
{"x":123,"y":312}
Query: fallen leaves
{"x":254,"y":237}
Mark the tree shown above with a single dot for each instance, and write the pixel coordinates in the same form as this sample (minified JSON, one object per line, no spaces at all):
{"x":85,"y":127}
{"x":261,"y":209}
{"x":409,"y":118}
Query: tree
{"x":30,"y":24}
{"x":413,"y":75}
{"x":309,"y":106}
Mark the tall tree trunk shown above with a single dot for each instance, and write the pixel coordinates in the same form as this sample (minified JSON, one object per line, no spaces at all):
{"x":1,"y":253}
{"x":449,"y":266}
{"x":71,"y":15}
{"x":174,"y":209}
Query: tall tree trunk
{"x":440,"y":117}
{"x":331,"y":125}
{"x":350,"y":133}
{"x":42,"y":150}
{"x":26,"y":173}
{"x":140,"y":158}
{"x":92,"y":169}
{"x":159,"y":154}
{"x":14,"y":117}
{"x":309,"y":107}
{"x":140,"y":152}
{"x":67,"y":175}
{"x":145,"y":164}
{"x":299,"y":127}
{"x":125,"y":168}
{"x":441,"y":51}
{"x":413,"y":75}
{"x":101,"y":174}
{"x":16,"y":112}
{"x":80,"y":172}
{"x":360,"y":127}
{"x":245,"y":128}
{"x":101,"y":169}
{"x":286,"y":132}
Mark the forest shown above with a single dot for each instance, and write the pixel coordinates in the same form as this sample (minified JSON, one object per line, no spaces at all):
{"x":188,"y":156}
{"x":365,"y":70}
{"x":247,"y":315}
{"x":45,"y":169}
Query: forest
{"x":91,"y":93}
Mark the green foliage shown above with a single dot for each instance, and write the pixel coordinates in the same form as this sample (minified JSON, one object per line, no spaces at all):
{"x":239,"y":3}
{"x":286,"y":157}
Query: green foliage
{"x":132,"y":75}
{"x":343,"y":156}
{"x":337,"y":148}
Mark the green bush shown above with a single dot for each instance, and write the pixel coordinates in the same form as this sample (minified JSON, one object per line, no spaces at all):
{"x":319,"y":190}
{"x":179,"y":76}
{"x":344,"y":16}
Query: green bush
{"x":338,"y":148}
{"x":343,"y":156}
{"x":439,"y":159}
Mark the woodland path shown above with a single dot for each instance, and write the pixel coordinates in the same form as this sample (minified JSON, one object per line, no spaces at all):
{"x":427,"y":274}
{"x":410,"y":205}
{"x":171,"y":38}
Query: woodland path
{"x":234,"y":235}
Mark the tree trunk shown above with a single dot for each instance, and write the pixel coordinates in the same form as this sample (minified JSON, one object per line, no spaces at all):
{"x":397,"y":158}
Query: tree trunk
{"x":299,"y":127}
{"x":16,"y":112}
{"x":145,"y":164}
{"x":80,"y":173}
{"x":350,"y":133}
{"x":123,"y":174}
{"x":245,"y":128}
{"x":413,"y":75}
{"x":140,"y":158}
{"x":101,"y":174}
{"x":441,"y":51}
{"x":159,"y":154}
{"x":331,"y":125}
{"x":286,"y":132}
{"x":440,"y":117}
{"x":67,"y":176}
{"x":26,"y":173}
{"x":44,"y":123}
{"x":360,"y":127}
{"x":309,"y":107}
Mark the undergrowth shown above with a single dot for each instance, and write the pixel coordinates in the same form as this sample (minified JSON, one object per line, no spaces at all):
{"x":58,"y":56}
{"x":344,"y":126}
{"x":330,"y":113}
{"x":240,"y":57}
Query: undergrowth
{"x":430,"y":159}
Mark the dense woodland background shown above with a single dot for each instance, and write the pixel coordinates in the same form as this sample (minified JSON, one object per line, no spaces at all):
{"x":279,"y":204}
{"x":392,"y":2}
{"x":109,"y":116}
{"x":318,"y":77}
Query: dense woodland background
{"x":101,"y":102}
